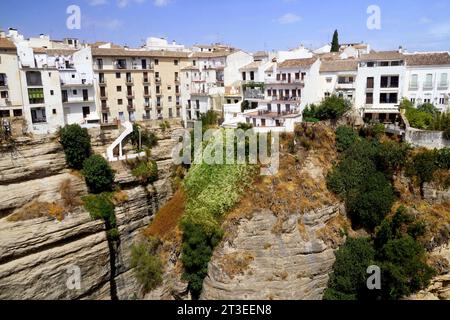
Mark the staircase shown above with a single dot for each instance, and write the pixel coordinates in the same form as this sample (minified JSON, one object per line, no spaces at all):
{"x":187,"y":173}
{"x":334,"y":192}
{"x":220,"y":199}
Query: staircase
{"x":118,"y":142}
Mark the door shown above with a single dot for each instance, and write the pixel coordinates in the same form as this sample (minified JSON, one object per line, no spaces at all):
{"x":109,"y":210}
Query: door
{"x":144,"y":64}
{"x":86,"y":112}
{"x":289,"y":78}
{"x":263,"y":122}
{"x":85,"y":95}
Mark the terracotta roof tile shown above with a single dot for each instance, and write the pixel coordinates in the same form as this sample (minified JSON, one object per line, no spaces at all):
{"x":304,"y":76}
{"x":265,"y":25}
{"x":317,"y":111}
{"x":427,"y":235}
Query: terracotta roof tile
{"x":7,"y":44}
{"x":298,"y":63}
{"x":428,"y":59}
{"x":98,"y":52}
{"x":339,"y":65}
{"x":383,"y":55}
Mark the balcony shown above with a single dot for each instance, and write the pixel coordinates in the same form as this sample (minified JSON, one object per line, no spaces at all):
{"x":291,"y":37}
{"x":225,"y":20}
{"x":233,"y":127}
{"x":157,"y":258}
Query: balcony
{"x":286,"y":99}
{"x":5,"y":102}
{"x":120,"y":65}
{"x":147,"y":106}
{"x":202,"y":93}
{"x":130,"y":95}
{"x":3,"y":86}
{"x":286,"y":81}
{"x":178,"y":93}
{"x":129,"y":82}
{"x":147,"y":94}
{"x":413,"y":86}
{"x":158,"y":80}
{"x":159,"y":105}
{"x":131,"y":107}
{"x":428,"y":86}
{"x":251,"y":94}
{"x":105,"y":109}
{"x":103,"y":95}
{"x":102,"y":83}
{"x":159,"y":94}
{"x":177,"y":80}
{"x":443,"y":85}
{"x":346,"y":85}
{"x":146,"y":81}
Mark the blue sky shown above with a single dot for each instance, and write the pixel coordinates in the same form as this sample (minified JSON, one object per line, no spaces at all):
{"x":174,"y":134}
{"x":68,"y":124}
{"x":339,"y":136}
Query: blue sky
{"x":248,"y":24}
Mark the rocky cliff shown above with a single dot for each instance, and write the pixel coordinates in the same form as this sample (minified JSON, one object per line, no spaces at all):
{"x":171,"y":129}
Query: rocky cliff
{"x":38,"y":255}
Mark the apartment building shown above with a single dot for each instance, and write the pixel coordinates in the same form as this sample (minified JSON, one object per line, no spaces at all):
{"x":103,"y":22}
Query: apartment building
{"x":339,"y":77}
{"x":210,"y":77}
{"x":137,"y":85}
{"x":427,"y":79}
{"x":11,"y":102}
{"x":77,"y":85}
{"x":379,"y":87}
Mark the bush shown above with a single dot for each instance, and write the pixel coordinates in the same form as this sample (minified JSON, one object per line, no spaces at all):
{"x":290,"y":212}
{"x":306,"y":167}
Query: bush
{"x":331,"y":108}
{"x":345,"y":137}
{"x":348,"y":279}
{"x":245,"y":105}
{"x":147,"y":139}
{"x":244,"y":126}
{"x":98,"y":174}
{"x":392,"y":156}
{"x":198,"y":246}
{"x":146,"y":264}
{"x":102,"y":207}
{"x":210,"y":118}
{"x":422,"y":166}
{"x":146,"y":171}
{"x":164,"y":126}
{"x":76,"y":143}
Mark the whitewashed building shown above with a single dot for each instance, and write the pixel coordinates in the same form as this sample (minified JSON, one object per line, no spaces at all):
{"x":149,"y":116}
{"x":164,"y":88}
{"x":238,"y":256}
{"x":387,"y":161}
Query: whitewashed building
{"x":427,"y":79}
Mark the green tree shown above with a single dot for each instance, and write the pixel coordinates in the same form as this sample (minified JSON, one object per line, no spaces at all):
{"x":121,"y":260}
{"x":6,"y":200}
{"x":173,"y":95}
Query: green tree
{"x":349,"y":276}
{"x":335,"y":42}
{"x":210,"y":118}
{"x":331,"y":108}
{"x":197,"y":250}
{"x":76,"y":143}
{"x":392,"y":156}
{"x":345,"y":137}
{"x":146,"y":264}
{"x":98,"y":174}
{"x":142,"y":137}
{"x":423,"y":166}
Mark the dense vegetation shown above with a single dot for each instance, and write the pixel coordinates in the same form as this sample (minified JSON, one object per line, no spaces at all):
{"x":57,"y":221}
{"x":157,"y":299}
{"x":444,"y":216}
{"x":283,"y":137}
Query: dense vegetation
{"x":98,"y":174}
{"x":146,"y":264}
{"x":427,"y":117}
{"x":395,"y":248}
{"x":142,"y":138}
{"x":364,"y":180}
{"x":331,"y":108}
{"x":211,"y":191}
{"x":76,"y":143}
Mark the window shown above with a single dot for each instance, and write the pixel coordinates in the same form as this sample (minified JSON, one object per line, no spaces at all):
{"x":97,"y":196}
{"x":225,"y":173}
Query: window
{"x":428,"y":81}
{"x":414,"y":83}
{"x":156,"y":62}
{"x":327,"y":94}
{"x":120,"y":102}
{"x":38,"y":115}
{"x":175,"y":62}
{"x":389,"y":81}
{"x":34,"y":78}
{"x":121,"y":64}
{"x":17,"y":112}
{"x":244,"y":76}
{"x":100,"y":64}
{"x":119,"y":88}
{"x":442,"y":100}
{"x":370,"y":83}
{"x":52,"y":92}
{"x":170,"y":98}
{"x":384,"y":64}
{"x":413,"y":101}
{"x":158,"y":89}
{"x":369,"y":98}
{"x":101,"y":77}
{"x":370,"y":64}
{"x":443,"y":83}
{"x":3,"y":78}
{"x":64,"y":96}
{"x":74,"y":92}
{"x":118,"y":75}
{"x":252,"y":75}
{"x":36,"y":96}
{"x":54,"y":111}
{"x":395,"y":63}
{"x":388,"y":97}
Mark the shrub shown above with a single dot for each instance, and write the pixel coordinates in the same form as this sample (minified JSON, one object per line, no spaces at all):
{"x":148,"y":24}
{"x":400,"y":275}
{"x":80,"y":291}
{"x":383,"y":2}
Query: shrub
{"x":392,"y":156}
{"x":428,"y":108}
{"x":422,"y":166}
{"x":371,"y":201}
{"x":245,"y":105}
{"x":98,"y":174}
{"x":197,"y":249}
{"x":345,"y":137}
{"x":146,"y":264}
{"x":210,"y":118}
{"x":102,"y":207}
{"x":331,"y":108}
{"x":244,"y":126}
{"x":76,"y":143}
{"x":348,"y":279}
{"x":146,"y":171}
{"x":147,"y":138}
{"x":68,"y":195}
{"x":164,"y":126}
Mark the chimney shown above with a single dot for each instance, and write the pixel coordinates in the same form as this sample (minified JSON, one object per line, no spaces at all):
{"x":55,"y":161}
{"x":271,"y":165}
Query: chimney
{"x":400,"y":49}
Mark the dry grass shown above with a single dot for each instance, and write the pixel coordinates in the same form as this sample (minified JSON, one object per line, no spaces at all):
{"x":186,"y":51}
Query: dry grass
{"x":235,"y":263}
{"x":294,"y":189}
{"x":120,"y":197}
{"x":333,"y":232}
{"x":70,"y":198}
{"x":165,"y":224}
{"x":37,"y":209}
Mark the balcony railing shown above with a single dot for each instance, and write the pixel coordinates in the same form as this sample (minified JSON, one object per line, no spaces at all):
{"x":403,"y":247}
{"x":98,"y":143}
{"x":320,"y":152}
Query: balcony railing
{"x":285,"y":81}
{"x":147,"y":94}
{"x":158,"y":80}
{"x":105,"y":109}
{"x":146,"y":81}
{"x":130,"y":95}
{"x":254,"y":95}
{"x":103,"y":95}
{"x":427,"y":86}
{"x":443,"y":85}
{"x":286,"y":99}
{"x":131,"y":107}
{"x":129,"y":81}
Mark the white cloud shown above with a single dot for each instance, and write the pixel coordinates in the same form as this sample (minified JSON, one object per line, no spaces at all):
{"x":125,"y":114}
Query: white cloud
{"x":125,"y":3}
{"x":110,"y":24}
{"x":289,"y":18}
{"x":97,"y":2}
{"x":161,"y":3}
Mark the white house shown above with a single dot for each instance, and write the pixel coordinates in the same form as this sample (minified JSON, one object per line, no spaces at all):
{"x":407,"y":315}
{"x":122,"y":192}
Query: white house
{"x":339,"y":77}
{"x":427,"y":79}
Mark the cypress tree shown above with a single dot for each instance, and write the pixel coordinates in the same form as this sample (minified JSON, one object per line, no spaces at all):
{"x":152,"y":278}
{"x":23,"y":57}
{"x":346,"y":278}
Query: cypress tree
{"x":335,"y":43}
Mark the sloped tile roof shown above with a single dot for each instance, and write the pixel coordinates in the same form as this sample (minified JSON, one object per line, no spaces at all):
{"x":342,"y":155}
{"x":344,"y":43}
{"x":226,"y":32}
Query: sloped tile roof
{"x":339,"y":65}
{"x":428,"y":59}
{"x":298,"y":63}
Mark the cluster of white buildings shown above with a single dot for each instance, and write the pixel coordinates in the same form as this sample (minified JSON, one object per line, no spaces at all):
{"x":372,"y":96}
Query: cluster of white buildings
{"x":53,"y":83}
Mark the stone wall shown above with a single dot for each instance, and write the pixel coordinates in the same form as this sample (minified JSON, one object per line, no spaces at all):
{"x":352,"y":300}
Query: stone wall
{"x":427,"y":139}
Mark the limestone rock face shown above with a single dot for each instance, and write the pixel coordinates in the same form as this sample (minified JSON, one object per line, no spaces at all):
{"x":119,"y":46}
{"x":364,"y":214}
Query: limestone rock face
{"x":40,"y":258}
{"x":256,"y":262}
